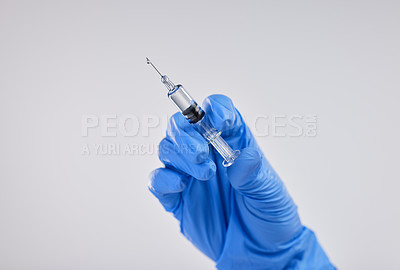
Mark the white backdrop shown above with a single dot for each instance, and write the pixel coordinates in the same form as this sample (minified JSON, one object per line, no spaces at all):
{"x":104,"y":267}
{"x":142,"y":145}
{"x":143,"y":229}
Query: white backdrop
{"x":64,"y":60}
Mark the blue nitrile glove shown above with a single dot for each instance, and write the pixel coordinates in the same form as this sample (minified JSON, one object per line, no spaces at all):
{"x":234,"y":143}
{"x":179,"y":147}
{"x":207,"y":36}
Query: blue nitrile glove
{"x":242,"y":217}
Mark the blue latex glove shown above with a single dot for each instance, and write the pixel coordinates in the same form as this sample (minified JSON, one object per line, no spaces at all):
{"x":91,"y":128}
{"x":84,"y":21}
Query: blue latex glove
{"x":242,"y":217}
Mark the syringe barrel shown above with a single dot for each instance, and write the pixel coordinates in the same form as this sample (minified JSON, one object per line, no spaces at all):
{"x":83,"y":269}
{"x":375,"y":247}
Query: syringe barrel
{"x":196,"y":116}
{"x":213,"y":136}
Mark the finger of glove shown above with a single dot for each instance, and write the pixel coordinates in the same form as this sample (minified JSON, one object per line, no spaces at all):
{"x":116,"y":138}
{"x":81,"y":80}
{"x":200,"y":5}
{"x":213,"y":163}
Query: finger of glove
{"x":185,"y":150}
{"x":186,"y":140}
{"x":226,"y":118}
{"x":167,"y":185}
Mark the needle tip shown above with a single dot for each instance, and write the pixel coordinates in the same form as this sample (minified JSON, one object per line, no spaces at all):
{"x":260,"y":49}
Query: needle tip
{"x":150,"y":63}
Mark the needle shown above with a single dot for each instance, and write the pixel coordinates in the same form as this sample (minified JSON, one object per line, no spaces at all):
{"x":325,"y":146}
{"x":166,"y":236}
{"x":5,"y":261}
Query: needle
{"x":150,"y":63}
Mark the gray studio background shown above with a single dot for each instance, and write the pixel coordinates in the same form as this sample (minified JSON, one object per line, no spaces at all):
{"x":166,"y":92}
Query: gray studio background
{"x":62,"y":60}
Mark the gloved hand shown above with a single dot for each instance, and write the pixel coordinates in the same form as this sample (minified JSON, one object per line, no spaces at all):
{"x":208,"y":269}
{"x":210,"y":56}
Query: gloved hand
{"x":242,"y":217}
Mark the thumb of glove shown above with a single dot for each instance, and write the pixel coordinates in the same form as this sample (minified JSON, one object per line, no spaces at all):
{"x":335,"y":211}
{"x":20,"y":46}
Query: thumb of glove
{"x":246,"y":174}
{"x":253,"y":177}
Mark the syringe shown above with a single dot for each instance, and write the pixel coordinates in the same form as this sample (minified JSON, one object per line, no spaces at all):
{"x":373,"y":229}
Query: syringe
{"x":196,"y":116}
